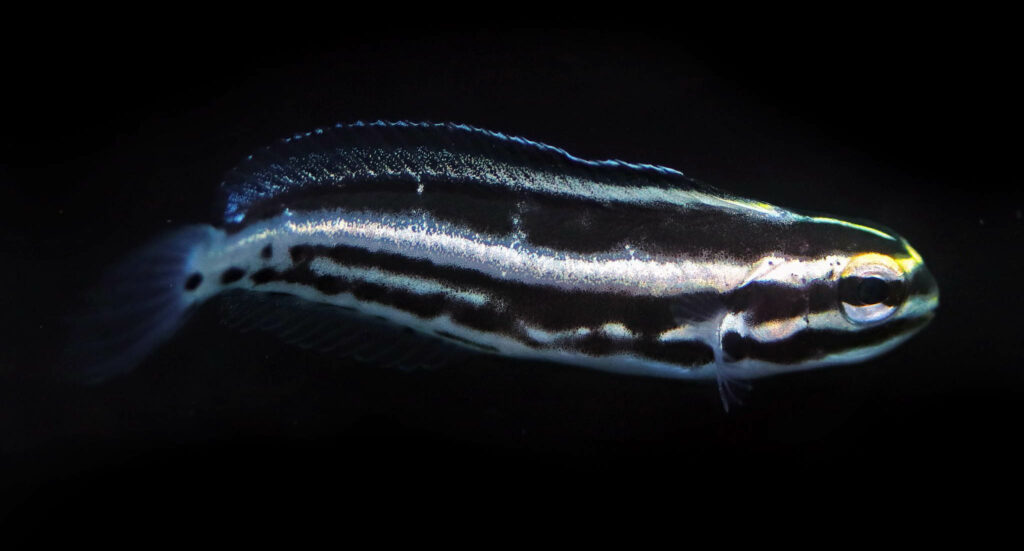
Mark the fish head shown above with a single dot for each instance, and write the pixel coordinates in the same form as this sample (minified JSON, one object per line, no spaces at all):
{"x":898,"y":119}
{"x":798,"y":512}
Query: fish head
{"x":866,"y":293}
{"x":881,"y":296}
{"x":875,"y":288}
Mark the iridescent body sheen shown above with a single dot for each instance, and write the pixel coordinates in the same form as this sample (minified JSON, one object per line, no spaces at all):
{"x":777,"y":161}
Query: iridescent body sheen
{"x":506,"y":246}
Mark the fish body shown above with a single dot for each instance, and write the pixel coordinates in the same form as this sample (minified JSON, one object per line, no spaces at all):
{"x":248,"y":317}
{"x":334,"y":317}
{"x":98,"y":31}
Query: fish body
{"x":500,"y":245}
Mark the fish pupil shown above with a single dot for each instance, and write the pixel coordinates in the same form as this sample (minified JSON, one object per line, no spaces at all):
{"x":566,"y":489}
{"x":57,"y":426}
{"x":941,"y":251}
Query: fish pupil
{"x":872,"y":290}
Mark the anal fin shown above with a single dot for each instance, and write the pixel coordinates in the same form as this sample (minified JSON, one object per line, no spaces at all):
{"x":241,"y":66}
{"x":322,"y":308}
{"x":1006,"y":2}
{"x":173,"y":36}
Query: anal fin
{"x":338,"y":330}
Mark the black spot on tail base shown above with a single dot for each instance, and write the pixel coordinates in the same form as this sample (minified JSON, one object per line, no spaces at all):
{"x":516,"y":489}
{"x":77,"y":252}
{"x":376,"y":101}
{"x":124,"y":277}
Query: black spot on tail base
{"x":263,"y":276}
{"x":231,"y":275}
{"x":193,"y":281}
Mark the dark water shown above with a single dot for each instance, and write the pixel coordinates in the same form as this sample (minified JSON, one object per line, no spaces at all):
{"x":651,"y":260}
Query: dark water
{"x":110,"y":145}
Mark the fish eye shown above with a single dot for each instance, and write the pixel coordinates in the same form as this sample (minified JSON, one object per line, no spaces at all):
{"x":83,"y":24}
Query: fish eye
{"x":870,"y":288}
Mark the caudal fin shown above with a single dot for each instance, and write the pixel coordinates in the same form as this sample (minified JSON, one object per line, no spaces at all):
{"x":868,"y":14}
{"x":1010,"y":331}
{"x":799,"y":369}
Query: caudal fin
{"x":137,"y":305}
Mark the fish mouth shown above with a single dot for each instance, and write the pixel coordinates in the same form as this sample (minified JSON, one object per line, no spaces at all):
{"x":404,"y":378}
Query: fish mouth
{"x":923,"y":283}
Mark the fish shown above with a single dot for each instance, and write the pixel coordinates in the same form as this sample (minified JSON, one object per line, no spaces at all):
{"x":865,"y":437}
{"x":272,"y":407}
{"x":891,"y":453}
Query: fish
{"x":408,"y":243}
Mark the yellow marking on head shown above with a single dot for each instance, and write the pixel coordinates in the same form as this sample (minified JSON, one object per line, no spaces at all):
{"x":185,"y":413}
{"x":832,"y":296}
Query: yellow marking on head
{"x":863,"y":263}
{"x":915,"y":260}
{"x":861,"y":227}
{"x":903,"y":265}
{"x":909,"y":264}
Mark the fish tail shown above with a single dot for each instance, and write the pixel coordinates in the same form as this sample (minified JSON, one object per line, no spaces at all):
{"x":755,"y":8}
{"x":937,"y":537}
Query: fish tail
{"x":137,"y":305}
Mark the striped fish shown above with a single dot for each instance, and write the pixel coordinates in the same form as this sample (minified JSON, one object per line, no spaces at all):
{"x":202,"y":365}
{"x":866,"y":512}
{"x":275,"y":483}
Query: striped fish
{"x":447,"y":237}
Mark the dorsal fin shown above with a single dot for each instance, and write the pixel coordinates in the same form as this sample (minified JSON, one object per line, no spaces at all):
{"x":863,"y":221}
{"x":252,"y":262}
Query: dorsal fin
{"x":361,"y":153}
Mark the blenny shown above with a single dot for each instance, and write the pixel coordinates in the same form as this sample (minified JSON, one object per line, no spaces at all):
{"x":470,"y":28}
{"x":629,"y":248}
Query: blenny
{"x":407,"y":242}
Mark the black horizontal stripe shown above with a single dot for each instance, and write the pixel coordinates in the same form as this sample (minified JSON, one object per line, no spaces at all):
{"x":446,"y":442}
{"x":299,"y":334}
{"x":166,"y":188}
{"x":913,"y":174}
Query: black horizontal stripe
{"x":559,"y":309}
{"x":687,"y":354}
{"x":693,"y":231}
{"x":809,"y":345}
{"x":554,"y":309}
{"x":546,"y":308}
{"x":584,"y":226}
{"x":504,"y":322}
{"x":765,"y":301}
{"x":425,"y":306}
{"x":538,"y":306}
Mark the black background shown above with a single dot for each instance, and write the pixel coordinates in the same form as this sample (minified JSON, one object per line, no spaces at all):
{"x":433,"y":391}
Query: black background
{"x":112,"y":136}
